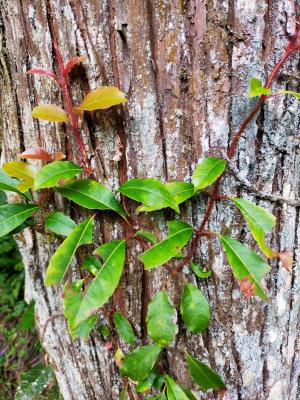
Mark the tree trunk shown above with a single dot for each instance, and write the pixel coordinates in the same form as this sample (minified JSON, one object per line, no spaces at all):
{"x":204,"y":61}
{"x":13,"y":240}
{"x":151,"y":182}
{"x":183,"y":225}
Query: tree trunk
{"x":185,"y":67}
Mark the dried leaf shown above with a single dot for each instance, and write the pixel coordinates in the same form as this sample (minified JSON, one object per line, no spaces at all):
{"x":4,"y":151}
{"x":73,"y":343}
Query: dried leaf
{"x":286,"y":257}
{"x":50,"y":112}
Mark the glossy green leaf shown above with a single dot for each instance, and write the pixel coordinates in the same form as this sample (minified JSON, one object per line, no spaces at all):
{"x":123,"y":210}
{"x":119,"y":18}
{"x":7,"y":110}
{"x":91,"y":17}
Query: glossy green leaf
{"x":106,"y":281}
{"x":13,"y":215}
{"x":50,"y":175}
{"x":22,"y":171}
{"x":59,"y":223}
{"x":50,"y":112}
{"x":207,"y":172}
{"x":138,"y":364}
{"x":188,"y":393}
{"x":150,"y":192}
{"x":194,"y":309}
{"x":294,"y":94}
{"x":124,"y":328}
{"x":180,"y":191}
{"x":174,"y":391}
{"x":11,"y":184}
{"x":256,"y":88}
{"x":147,"y":235}
{"x":91,"y":194}
{"x":104,"y":330}
{"x":203,"y":376}
{"x":260,"y":221}
{"x":72,"y":300}
{"x":102,"y":98}
{"x":199,"y":272}
{"x":92,"y":264}
{"x":146,"y":383}
{"x":246,"y":263}
{"x":61,"y":259}
{"x":179,"y":234}
{"x":160,"y":320}
{"x":34,"y":382}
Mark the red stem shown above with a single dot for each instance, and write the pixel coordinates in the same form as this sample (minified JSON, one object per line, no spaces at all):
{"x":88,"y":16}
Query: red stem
{"x":293,"y":46}
{"x":73,"y":119}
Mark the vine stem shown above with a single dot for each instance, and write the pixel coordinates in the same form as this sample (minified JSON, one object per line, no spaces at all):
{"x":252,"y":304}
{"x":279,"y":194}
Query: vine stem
{"x":292,"y":47}
{"x":73,"y":119}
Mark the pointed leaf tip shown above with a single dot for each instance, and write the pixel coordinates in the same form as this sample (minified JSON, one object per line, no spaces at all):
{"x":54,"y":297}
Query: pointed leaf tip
{"x":42,"y":71}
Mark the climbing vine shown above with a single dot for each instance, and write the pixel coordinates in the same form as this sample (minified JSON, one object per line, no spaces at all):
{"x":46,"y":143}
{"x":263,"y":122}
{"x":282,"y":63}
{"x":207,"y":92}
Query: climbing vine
{"x":103,"y":268}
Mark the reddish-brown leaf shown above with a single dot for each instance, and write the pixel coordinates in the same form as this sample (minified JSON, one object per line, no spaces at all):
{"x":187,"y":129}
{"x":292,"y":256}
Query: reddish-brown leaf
{"x":42,"y":71}
{"x":247,"y":287}
{"x":36,"y":153}
{"x":286,"y":258}
{"x":74,"y":61}
{"x":59,"y":156}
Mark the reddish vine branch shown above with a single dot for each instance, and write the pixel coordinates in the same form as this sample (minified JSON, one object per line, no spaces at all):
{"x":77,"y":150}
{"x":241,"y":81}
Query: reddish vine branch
{"x":292,"y":47}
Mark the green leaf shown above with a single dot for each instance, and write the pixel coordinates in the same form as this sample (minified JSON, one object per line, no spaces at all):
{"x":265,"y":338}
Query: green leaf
{"x":179,"y":234}
{"x":174,"y":391}
{"x":246,"y":263}
{"x":72,"y":300}
{"x":59,"y":223}
{"x":160,"y":320}
{"x":104,"y":330}
{"x":102,"y":98}
{"x":124,"y":328}
{"x":256,"y":88}
{"x":188,"y":393}
{"x":92,"y":264}
{"x":295,"y":94}
{"x":50,"y":175}
{"x":11,"y":184}
{"x":260,"y":221}
{"x":107,"y":279}
{"x":150,"y":192}
{"x":194,"y":309}
{"x":146,"y":383}
{"x":91,"y":194}
{"x":200,"y":272}
{"x":180,"y":191}
{"x":27,"y":321}
{"x":61,"y":259}
{"x":203,"y":376}
{"x":22,"y":171}
{"x":13,"y":215}
{"x":207,"y":172}
{"x":147,"y":235}
{"x":138,"y":364}
{"x":34,"y":382}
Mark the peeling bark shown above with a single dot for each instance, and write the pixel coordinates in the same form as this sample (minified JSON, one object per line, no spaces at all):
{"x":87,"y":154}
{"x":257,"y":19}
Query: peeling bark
{"x":185,"y":67}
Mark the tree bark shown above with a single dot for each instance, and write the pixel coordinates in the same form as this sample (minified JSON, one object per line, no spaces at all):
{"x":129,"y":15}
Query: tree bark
{"x":185,"y":67}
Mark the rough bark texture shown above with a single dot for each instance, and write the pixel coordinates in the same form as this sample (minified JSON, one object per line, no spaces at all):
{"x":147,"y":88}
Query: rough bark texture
{"x":185,"y":67}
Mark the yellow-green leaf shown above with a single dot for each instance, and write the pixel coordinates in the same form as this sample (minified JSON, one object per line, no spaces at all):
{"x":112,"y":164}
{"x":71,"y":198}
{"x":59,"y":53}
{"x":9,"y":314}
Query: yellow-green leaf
{"x":207,"y":172}
{"x":256,"y":88}
{"x":102,"y":98}
{"x":50,"y":112}
{"x":260,"y":221}
{"x":22,"y":171}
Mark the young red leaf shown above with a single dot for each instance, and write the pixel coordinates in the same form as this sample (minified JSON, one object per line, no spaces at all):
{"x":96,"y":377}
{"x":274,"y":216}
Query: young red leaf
{"x":247,"y":287}
{"x":71,"y":63}
{"x":286,"y":258}
{"x":36,"y":153}
{"x":42,"y":71}
{"x":59,"y":156}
